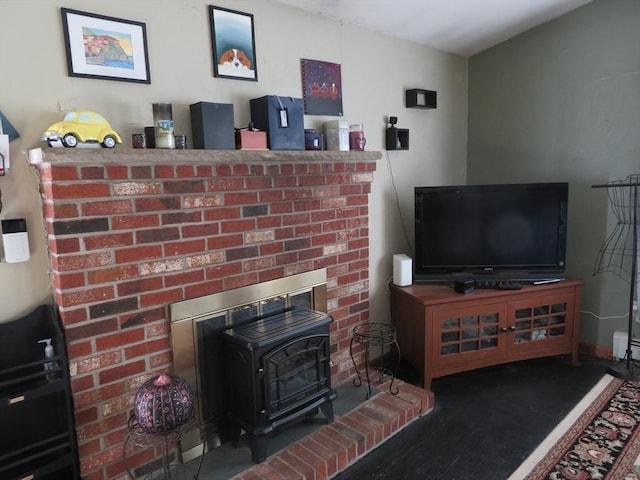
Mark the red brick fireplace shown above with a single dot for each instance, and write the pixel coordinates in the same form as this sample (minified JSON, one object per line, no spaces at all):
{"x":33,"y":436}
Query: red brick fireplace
{"x":132,"y":231}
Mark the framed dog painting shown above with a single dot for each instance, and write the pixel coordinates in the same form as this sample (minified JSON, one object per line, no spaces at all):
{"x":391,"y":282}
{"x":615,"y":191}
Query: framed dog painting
{"x":234,"y":46}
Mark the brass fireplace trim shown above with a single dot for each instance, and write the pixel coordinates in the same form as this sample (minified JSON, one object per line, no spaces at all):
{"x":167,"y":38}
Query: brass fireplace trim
{"x":186,"y":314}
{"x":204,"y":306}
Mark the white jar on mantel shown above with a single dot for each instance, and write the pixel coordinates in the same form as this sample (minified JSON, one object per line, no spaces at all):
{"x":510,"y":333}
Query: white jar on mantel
{"x":337,"y":135}
{"x":163,"y":123}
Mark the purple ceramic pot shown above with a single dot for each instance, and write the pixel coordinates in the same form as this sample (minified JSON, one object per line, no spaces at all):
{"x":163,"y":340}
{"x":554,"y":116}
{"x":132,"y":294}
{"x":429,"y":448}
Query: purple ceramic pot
{"x":163,"y":403}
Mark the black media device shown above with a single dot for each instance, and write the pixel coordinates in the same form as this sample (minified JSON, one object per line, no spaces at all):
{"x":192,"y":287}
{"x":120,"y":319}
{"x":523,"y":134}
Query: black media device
{"x":464,"y":286}
{"x":490,"y":232}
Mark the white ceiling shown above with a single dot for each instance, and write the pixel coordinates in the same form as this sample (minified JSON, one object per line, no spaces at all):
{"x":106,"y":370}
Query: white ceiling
{"x":463,"y":27}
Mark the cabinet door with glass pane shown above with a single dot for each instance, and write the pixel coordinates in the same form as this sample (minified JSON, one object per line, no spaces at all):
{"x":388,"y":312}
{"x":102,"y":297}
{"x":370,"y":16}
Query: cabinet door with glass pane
{"x":465,"y":334}
{"x":540,"y":323}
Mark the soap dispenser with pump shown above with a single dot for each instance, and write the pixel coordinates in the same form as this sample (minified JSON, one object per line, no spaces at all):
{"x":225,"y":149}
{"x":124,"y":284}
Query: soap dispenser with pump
{"x":49,"y":354}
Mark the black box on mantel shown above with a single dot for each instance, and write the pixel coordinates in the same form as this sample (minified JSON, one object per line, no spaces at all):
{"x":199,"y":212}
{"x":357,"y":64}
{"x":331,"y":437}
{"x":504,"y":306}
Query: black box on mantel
{"x":283,"y":120}
{"x":212,"y":126}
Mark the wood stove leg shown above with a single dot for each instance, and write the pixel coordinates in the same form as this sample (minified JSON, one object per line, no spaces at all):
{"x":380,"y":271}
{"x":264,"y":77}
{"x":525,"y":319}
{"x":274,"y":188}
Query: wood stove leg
{"x":234,"y":432}
{"x":258,"y":446}
{"x":327,"y":411}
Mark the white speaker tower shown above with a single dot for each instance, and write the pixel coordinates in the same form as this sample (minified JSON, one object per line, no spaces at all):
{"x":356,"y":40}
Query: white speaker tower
{"x":402,"y":270}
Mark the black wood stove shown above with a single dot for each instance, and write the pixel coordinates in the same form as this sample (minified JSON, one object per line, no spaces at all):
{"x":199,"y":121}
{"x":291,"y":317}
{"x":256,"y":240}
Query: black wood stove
{"x":278,"y":370}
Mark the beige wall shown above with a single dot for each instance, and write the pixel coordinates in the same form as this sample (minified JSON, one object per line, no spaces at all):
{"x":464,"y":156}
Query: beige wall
{"x":567,"y":110}
{"x":35,"y":91}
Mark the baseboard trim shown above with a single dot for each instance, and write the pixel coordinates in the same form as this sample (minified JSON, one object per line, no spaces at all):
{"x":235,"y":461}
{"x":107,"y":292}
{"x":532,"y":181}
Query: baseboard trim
{"x":599,"y":351}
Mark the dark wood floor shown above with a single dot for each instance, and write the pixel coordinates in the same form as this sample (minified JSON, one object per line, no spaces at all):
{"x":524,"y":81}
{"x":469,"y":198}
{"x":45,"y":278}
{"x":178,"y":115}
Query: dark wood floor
{"x":485,"y":424}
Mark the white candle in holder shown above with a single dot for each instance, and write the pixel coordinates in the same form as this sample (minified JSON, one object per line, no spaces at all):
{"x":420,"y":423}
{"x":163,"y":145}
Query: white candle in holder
{"x":163,"y":123}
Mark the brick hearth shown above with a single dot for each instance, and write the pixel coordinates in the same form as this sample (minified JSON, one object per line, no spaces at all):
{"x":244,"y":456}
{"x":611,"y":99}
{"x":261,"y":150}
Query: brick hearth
{"x":131,"y":231}
{"x":331,"y":449}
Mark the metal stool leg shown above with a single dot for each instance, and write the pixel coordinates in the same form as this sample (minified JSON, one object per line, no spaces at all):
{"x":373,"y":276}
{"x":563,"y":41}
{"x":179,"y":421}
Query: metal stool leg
{"x":366,"y":369}
{"x":356,"y":381}
{"x":381,"y":369}
{"x":394,"y":390}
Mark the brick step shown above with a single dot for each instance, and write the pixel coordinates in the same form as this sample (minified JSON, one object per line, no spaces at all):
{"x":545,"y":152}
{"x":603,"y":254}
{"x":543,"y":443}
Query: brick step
{"x":332,"y":448}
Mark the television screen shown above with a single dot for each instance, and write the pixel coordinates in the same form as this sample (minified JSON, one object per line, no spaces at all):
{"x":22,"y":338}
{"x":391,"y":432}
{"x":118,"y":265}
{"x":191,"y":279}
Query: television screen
{"x":501,"y":232}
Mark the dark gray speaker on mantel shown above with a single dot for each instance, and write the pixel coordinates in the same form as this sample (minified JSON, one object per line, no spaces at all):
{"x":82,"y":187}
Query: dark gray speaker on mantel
{"x":212,"y":126}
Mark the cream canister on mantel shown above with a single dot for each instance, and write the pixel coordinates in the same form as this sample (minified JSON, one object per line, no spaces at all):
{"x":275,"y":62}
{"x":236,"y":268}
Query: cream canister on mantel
{"x":337,"y":135}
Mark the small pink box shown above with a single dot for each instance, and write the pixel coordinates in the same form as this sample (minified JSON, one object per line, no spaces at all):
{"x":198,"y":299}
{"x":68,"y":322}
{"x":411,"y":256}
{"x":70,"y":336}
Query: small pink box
{"x":251,"y":140}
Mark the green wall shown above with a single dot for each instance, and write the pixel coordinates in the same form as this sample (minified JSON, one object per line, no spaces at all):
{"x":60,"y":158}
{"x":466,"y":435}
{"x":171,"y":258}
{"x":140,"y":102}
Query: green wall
{"x":561,"y":102}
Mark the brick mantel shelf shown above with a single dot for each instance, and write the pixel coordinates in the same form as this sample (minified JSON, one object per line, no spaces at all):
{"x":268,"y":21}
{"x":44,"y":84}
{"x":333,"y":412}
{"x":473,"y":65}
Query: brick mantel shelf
{"x":120,"y":156}
{"x":131,"y":231}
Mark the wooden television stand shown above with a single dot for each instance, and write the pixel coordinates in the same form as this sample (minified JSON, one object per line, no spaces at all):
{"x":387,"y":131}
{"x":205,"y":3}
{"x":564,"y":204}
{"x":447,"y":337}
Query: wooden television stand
{"x":441,"y":332}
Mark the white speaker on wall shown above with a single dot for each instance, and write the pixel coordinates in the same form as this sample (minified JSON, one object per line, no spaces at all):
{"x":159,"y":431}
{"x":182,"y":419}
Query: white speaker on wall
{"x":402,"y":270}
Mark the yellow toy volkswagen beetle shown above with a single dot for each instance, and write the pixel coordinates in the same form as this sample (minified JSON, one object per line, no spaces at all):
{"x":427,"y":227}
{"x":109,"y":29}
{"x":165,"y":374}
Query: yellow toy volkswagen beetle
{"x":82,"y":126}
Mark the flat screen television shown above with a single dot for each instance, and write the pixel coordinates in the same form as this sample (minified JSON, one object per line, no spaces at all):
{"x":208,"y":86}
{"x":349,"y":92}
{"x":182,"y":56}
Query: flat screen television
{"x":508,"y":232}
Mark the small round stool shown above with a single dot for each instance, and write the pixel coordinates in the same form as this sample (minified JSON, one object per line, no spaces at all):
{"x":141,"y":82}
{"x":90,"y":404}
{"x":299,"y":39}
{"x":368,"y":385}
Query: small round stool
{"x":377,"y":335}
{"x":137,"y":440}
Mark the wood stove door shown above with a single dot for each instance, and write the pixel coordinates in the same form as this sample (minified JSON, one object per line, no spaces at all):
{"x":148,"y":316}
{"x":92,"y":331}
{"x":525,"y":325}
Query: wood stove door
{"x":296,"y":374}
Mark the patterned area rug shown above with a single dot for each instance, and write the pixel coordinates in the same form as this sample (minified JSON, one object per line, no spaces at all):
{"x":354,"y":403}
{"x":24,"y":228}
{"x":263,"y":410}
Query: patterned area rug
{"x":599,"y":439}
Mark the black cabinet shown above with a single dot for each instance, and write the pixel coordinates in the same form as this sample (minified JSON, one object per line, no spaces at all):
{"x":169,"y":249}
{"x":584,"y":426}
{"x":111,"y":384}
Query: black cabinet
{"x":38,"y":438}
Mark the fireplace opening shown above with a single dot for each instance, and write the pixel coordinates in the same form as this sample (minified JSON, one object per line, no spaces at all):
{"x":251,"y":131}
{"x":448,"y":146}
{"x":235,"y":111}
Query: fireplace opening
{"x":198,"y":330}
